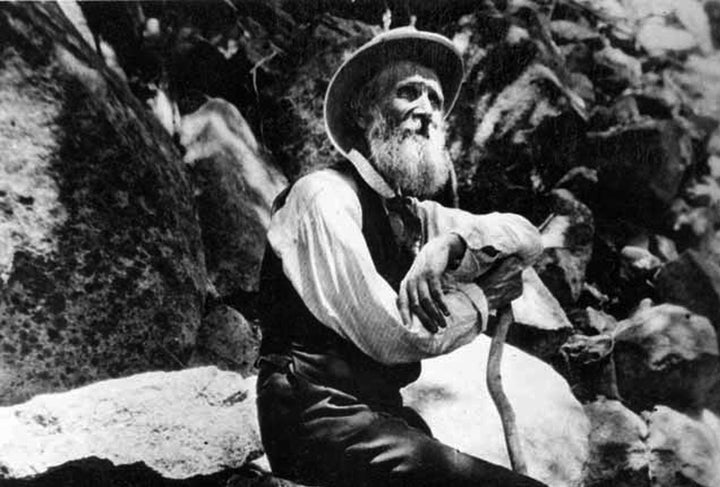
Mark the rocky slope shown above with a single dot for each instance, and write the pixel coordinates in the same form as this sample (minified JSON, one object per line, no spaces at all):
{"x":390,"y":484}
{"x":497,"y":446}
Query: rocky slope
{"x":598,"y":120}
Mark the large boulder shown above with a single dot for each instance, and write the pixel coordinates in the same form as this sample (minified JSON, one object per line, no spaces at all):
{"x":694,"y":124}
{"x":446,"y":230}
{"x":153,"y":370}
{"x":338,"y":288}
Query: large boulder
{"x":228,"y":340}
{"x":101,"y":267}
{"x":665,"y":355}
{"x":589,"y":365}
{"x":452,"y":396}
{"x":236,"y":183}
{"x":693,"y":281}
{"x":656,"y":32}
{"x":661,"y":448}
{"x":684,"y":448}
{"x":567,"y":237}
{"x":540,"y":324}
{"x":612,"y":70}
{"x":299,"y":136}
{"x":658,"y":38}
{"x":179,"y":424}
{"x":640,"y":168}
{"x":618,"y":453}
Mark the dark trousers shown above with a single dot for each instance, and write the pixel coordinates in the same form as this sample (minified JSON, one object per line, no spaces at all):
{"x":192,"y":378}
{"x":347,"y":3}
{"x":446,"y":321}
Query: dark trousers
{"x":319,"y":435}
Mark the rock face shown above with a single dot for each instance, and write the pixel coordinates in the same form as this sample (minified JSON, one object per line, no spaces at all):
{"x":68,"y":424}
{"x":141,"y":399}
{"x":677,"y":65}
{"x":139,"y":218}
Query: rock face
{"x":180,"y":424}
{"x":101,"y":265}
{"x":236,"y":183}
{"x":567,"y":238}
{"x":693,"y":281}
{"x":665,"y":355}
{"x":226,"y":339}
{"x":452,"y":396}
{"x":661,"y":448}
{"x":684,"y":449}
{"x":618,"y":453}
{"x":540,"y":324}
{"x":640,"y":168}
{"x":300,"y":137}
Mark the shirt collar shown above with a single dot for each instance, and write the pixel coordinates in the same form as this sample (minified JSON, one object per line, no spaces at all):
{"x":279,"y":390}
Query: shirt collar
{"x":370,"y":175}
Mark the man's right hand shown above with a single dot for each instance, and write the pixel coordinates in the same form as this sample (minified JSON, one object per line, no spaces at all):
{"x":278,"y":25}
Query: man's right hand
{"x":503,"y":283}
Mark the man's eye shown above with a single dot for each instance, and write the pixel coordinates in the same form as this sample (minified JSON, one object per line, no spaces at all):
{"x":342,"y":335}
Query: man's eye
{"x":434,"y":99}
{"x":408,"y":92}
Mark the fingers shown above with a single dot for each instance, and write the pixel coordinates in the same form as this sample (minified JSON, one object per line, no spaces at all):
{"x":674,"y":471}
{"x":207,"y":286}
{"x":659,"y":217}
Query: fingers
{"x":428,"y":305}
{"x":415,"y":298}
{"x":437,"y":294}
{"x":403,"y":304}
{"x":416,"y":308}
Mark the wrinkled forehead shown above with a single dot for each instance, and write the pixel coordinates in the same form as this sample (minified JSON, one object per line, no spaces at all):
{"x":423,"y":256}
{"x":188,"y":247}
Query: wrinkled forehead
{"x":389,"y":77}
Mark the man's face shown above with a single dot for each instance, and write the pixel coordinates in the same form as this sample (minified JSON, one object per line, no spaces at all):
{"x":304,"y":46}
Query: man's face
{"x":406,"y":131}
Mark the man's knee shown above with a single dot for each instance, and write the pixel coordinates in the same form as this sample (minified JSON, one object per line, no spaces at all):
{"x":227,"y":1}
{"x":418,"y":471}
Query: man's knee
{"x":391,"y":453}
{"x":410,"y":457}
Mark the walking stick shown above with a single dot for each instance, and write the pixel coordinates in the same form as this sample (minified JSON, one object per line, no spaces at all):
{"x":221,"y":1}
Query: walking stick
{"x":494,"y":383}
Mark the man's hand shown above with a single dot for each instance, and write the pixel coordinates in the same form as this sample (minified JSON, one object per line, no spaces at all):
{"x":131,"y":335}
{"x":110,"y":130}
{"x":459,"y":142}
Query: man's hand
{"x":421,"y":291}
{"x":502,"y":284}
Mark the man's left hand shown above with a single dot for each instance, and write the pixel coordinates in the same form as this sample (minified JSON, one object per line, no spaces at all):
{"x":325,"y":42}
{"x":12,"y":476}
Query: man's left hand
{"x":421,"y":290}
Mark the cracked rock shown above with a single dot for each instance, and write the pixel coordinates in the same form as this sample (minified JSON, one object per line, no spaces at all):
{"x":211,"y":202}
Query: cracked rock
{"x":180,"y":424}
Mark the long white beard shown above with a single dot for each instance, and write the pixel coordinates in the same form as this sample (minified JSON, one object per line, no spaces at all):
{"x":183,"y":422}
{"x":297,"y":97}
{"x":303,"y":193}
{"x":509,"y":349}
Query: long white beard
{"x":417,"y":165}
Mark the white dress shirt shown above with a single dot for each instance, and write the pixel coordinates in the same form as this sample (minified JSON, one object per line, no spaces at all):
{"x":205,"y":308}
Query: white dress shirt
{"x":318,"y":236}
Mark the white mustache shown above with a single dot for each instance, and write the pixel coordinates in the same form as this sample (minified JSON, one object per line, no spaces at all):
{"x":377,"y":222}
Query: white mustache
{"x":415,"y":127}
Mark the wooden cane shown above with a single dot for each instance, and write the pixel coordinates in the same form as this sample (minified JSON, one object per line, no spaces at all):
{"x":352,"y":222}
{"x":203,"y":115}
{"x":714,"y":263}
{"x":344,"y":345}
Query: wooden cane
{"x":494,"y":383}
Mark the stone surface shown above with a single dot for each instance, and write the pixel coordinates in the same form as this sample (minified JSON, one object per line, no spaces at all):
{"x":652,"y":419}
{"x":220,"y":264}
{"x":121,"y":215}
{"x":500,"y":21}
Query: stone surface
{"x":712,"y":9}
{"x":640,"y":259}
{"x":236,"y":184}
{"x":693,"y":16}
{"x":521,"y":106}
{"x":507,"y":113}
{"x":540,"y":324}
{"x":612,"y":70}
{"x":618,"y":452}
{"x":665,"y":355}
{"x":693,"y":281}
{"x":589,"y":366}
{"x":596,"y":321}
{"x":452,"y":396}
{"x":684,"y":448}
{"x":300,"y":137}
{"x":180,"y":424}
{"x":566,"y":31}
{"x":700,"y":79}
{"x":657,"y":38}
{"x":226,"y":339}
{"x":95,"y":471}
{"x":101,"y":264}
{"x":567,"y":236}
{"x":640,"y":169}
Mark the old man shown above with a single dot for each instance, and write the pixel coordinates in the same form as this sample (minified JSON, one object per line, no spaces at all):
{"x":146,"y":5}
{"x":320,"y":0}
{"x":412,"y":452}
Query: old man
{"x":364,"y":278}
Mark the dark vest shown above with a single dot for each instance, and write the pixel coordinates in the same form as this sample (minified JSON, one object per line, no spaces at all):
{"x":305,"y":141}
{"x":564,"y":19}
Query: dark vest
{"x":320,"y":354}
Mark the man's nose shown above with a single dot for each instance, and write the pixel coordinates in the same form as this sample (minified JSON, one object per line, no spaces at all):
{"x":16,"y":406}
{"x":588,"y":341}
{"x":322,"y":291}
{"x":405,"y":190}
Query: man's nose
{"x":423,"y":105}
{"x":422,"y":111}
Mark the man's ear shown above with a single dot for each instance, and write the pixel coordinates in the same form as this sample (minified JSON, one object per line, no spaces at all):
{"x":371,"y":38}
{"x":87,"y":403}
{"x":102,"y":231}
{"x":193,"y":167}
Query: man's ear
{"x":363,"y":119}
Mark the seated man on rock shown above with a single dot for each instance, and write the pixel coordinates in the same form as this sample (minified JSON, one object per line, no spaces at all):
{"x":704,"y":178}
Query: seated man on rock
{"x":363,"y":279}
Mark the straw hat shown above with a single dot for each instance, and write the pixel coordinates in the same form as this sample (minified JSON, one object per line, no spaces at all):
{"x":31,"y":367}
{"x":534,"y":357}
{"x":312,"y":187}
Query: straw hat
{"x":428,"y":49}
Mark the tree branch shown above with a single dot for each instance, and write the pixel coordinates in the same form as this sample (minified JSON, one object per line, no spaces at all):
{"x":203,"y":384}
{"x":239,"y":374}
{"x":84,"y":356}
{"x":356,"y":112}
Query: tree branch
{"x":494,"y":383}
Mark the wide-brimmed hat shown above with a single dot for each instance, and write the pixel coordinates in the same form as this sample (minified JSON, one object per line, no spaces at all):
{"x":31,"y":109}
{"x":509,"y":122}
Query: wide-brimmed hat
{"x":428,"y":49}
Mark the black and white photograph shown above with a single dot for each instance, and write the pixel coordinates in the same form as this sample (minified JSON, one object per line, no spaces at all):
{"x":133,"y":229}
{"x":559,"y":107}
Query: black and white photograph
{"x":360,"y":243}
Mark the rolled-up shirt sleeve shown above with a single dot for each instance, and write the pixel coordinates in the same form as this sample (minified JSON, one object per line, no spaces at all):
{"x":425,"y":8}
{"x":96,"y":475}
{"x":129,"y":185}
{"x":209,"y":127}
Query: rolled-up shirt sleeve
{"x":489,"y":237}
{"x":317,"y":234}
